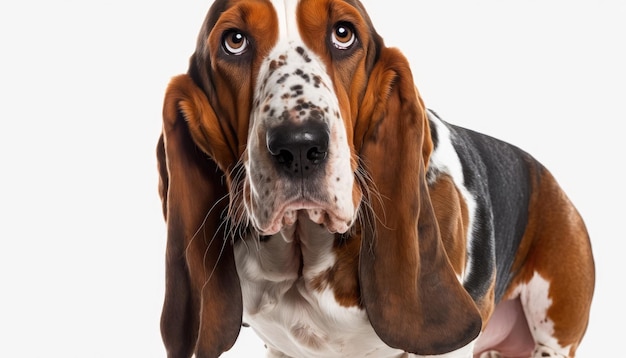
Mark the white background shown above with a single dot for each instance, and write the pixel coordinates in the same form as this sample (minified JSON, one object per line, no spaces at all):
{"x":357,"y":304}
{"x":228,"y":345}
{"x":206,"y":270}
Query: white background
{"x":82,"y":239}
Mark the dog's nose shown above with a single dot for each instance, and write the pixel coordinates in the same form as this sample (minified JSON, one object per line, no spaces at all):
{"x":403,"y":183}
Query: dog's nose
{"x":299,"y":148}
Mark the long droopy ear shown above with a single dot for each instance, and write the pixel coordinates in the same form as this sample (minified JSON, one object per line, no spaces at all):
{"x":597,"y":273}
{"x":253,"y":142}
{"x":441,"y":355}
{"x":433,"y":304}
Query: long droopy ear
{"x":412,"y":296}
{"x":203,"y":306}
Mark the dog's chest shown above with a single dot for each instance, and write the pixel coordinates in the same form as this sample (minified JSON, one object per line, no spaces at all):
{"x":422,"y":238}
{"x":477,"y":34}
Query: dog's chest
{"x":290,"y":302}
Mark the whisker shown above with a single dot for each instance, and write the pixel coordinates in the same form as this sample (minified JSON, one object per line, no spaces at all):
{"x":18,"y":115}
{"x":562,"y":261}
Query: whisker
{"x":223,"y":224}
{"x":235,"y":223}
{"x":202,"y":224}
{"x":370,"y":192}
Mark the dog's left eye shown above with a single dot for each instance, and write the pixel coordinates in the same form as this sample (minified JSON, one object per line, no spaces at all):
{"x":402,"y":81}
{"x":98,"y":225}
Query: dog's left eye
{"x":235,"y":42}
{"x":343,"y":36}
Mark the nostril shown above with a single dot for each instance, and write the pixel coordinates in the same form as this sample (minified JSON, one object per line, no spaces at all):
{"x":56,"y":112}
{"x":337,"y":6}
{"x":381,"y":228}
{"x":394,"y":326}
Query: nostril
{"x":315,"y":155}
{"x":283,"y":157}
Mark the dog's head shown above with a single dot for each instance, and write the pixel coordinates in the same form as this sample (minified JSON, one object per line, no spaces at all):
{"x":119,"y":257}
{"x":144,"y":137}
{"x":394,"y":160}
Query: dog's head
{"x":310,"y":117}
{"x":286,"y":86}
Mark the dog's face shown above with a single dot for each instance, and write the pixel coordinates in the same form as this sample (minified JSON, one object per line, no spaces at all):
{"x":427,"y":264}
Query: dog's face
{"x":292,"y":75}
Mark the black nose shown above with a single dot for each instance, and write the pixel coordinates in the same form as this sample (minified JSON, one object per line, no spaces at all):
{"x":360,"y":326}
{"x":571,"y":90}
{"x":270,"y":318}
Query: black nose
{"x":299,"y":148}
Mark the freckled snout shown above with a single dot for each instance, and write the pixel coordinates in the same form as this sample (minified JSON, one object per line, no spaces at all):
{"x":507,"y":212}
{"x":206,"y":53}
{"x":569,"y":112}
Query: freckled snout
{"x":299,"y":149}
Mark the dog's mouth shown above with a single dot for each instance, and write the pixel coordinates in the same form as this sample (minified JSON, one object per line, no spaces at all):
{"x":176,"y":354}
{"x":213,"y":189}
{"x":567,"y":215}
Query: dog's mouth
{"x":287,"y":215}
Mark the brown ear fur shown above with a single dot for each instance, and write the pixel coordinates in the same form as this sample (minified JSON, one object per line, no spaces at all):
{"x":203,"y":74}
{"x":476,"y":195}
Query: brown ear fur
{"x":412,"y":296}
{"x":203,"y":305}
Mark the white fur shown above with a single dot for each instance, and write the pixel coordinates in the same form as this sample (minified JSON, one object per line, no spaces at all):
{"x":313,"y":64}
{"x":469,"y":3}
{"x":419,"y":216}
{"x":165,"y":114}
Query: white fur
{"x":287,"y":25}
{"x":536,"y":302}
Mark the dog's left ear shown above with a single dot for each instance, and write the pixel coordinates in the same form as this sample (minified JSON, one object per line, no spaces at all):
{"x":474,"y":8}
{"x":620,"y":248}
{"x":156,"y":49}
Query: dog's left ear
{"x":410,"y":291}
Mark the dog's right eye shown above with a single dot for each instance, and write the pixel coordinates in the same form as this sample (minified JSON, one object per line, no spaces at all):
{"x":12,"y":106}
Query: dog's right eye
{"x":235,"y":42}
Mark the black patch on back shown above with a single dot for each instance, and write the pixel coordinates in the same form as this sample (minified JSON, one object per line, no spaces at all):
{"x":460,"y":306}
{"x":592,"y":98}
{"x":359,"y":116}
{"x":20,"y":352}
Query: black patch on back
{"x":497,"y":174}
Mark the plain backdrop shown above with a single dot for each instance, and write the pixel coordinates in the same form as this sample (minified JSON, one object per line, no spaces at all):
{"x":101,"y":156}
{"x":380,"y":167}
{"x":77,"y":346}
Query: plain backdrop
{"x":82,"y":238}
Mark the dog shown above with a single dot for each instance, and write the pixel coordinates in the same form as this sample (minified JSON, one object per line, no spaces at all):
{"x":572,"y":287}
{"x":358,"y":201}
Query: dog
{"x":310,"y":194}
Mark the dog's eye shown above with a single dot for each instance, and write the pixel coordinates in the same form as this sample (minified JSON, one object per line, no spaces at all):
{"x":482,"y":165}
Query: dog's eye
{"x":235,"y":42}
{"x":343,"y":36}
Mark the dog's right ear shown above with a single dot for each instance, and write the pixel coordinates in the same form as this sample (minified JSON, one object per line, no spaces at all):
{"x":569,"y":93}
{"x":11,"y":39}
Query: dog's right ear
{"x":202,"y":310}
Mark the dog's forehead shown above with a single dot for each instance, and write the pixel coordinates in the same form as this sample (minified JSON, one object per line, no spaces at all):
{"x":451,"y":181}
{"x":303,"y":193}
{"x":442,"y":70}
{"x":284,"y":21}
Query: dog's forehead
{"x":287,"y":19}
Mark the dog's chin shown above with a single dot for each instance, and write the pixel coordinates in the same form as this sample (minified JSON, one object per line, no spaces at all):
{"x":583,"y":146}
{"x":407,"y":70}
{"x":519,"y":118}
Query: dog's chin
{"x":289,"y":216}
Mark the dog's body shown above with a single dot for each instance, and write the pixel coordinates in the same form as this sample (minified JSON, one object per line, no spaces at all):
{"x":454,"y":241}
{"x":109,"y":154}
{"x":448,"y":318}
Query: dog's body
{"x":310,"y":194}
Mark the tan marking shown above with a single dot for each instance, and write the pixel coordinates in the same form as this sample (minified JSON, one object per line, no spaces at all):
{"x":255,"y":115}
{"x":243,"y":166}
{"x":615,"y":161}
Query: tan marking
{"x":343,"y":276}
{"x":452,"y":217}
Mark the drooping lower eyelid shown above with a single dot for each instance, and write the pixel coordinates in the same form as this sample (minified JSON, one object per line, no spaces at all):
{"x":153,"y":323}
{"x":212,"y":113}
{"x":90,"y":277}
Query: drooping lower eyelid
{"x":339,"y":47}
{"x":344,"y":45}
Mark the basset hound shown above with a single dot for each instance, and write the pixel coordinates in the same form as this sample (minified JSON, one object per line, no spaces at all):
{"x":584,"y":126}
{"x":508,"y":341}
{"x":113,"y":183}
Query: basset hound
{"x":310,"y":194}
